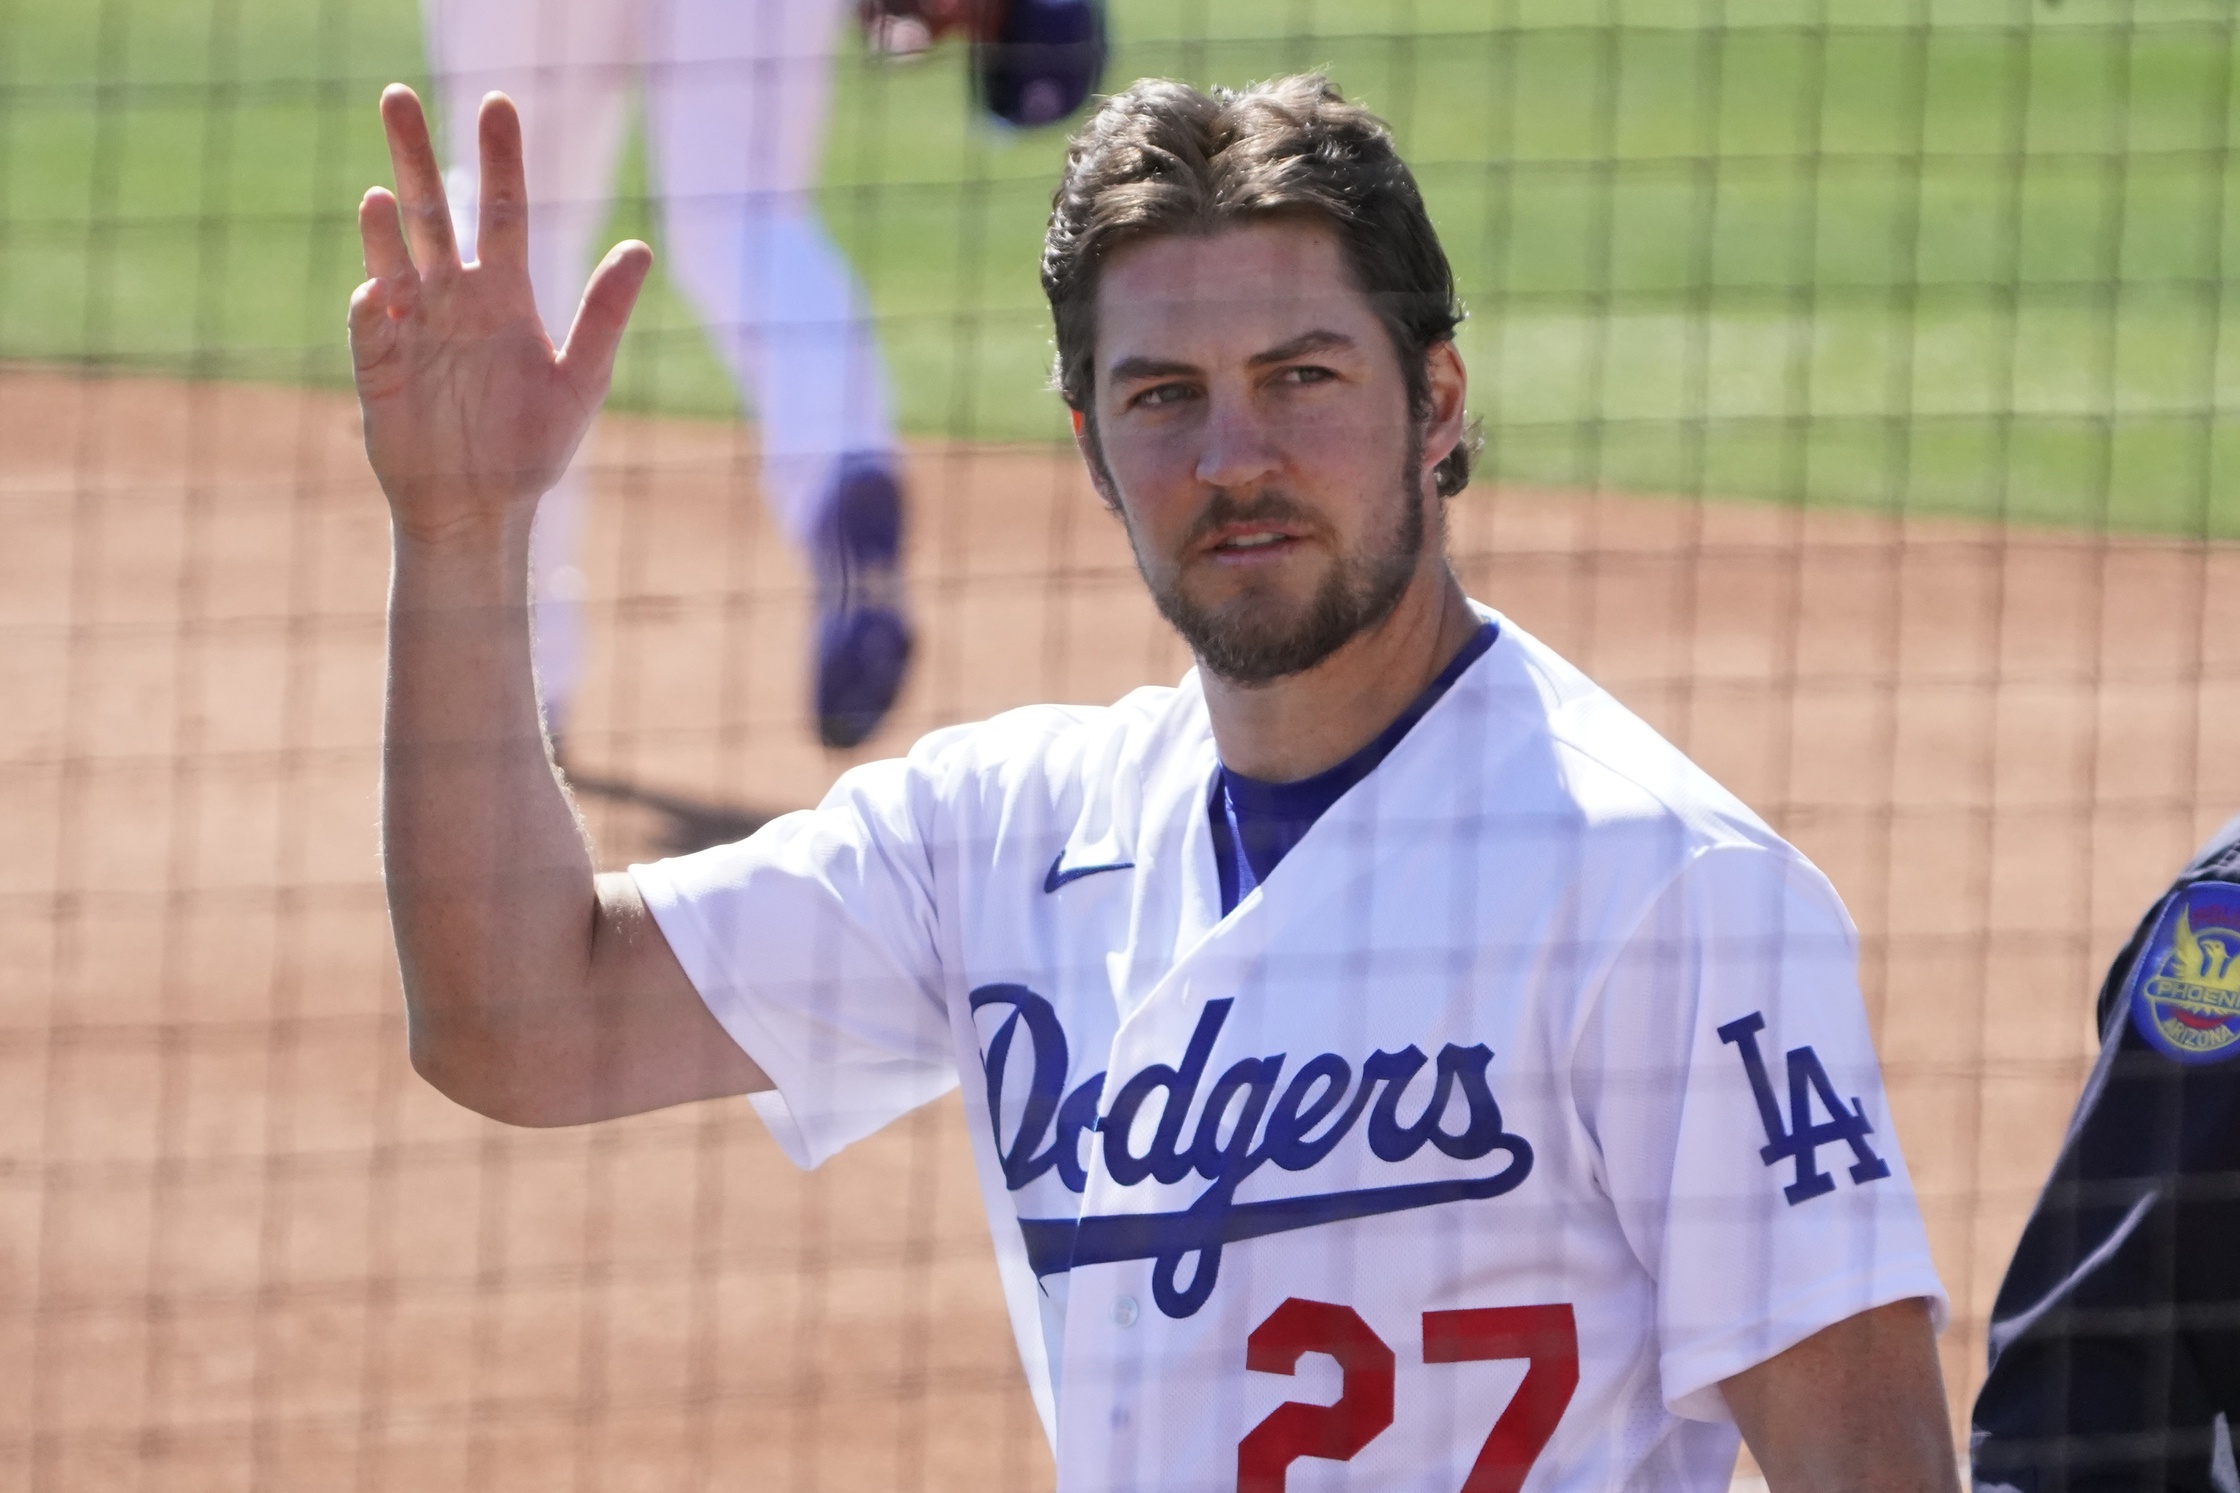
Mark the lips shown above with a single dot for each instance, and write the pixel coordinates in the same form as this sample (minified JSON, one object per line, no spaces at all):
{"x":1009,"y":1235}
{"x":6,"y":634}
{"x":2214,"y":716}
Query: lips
{"x":1258,"y":531}
{"x":1242,"y":542}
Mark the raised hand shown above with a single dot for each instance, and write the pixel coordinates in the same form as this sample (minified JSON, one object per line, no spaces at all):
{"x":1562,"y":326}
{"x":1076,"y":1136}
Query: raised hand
{"x":470,"y":412}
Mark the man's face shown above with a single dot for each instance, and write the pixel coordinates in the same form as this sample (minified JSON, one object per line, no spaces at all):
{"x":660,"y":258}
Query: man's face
{"x":1256,"y":437}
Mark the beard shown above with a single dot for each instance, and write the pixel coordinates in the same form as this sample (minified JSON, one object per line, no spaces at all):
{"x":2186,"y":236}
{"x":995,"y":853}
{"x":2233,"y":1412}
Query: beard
{"x":1255,"y":639}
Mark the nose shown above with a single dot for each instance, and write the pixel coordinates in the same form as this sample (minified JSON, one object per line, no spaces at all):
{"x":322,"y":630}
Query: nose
{"x":1239,"y":448}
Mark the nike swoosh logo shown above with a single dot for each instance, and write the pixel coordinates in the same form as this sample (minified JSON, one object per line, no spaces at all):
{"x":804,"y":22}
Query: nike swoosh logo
{"x":1058,"y":878}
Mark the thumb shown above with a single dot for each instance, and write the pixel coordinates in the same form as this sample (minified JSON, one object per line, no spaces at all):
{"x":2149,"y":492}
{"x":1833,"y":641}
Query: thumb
{"x":588,"y":358}
{"x":373,"y":326}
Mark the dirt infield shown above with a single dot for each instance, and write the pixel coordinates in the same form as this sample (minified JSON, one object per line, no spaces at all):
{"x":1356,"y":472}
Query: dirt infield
{"x":241,"y":1246}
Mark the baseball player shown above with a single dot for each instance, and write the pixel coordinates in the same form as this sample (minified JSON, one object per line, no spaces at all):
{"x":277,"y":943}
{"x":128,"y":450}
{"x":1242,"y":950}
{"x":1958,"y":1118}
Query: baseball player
{"x":735,"y":95}
{"x":1389,"y":1063}
{"x":2115,"y":1340}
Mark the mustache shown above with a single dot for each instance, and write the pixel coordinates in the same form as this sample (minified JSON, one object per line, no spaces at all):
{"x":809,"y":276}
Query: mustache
{"x":1267,"y":506}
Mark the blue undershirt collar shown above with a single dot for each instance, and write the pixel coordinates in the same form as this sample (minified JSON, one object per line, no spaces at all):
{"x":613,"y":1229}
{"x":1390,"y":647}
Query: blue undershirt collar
{"x":1256,"y":823}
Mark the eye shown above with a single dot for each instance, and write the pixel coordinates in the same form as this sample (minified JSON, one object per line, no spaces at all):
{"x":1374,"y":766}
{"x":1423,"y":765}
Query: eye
{"x":1162,"y":394}
{"x":1305,"y":373}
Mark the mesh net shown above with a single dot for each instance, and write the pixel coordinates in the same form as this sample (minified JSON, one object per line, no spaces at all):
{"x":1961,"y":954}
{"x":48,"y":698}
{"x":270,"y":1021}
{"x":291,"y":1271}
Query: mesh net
{"x":1852,"y":382}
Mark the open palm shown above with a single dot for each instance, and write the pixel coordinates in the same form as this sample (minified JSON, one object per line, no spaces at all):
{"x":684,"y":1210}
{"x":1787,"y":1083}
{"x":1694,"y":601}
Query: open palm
{"x":470,"y":412}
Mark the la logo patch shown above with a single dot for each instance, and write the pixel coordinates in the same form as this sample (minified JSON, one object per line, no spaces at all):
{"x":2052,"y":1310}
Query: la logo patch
{"x":2185,"y":989}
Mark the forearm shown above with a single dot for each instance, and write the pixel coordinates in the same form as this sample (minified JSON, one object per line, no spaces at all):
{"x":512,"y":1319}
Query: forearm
{"x":490,"y":882}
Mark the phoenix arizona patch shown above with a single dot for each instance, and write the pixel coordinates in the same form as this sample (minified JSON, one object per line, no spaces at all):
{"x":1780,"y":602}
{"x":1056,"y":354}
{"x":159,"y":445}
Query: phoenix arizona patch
{"x":2185,"y":989}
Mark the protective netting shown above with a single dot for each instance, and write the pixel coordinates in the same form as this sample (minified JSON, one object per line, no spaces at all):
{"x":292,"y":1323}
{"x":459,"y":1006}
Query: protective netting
{"x":1853,"y":385}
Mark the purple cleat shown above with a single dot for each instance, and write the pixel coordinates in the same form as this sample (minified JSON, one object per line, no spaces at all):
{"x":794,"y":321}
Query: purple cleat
{"x":863,"y":639}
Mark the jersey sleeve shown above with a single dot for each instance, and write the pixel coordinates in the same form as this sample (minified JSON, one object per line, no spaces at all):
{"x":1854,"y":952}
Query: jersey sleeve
{"x":1727,"y":1076}
{"x":813,"y":943}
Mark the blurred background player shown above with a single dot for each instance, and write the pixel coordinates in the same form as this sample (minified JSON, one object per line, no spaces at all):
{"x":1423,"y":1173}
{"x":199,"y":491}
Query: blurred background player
{"x":735,"y":94}
{"x":2115,"y":1340}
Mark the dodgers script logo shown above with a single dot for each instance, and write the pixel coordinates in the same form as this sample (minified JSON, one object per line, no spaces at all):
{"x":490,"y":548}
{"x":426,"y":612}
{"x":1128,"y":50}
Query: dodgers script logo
{"x":2185,"y":990}
{"x":1243,"y":1124}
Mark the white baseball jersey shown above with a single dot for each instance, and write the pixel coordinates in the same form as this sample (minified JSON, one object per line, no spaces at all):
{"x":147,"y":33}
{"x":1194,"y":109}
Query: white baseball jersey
{"x":1530,"y":1096}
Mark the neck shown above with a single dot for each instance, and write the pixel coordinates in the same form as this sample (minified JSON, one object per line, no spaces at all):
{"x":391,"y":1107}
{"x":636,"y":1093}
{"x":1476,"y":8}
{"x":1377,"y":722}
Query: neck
{"x":1305,"y":723}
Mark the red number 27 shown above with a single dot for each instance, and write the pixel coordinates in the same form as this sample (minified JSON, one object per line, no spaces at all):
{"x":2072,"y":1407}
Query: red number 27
{"x":1545,"y":1336}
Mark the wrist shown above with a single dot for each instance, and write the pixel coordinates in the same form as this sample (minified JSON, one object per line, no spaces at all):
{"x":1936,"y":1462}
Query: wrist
{"x":477,"y":561}
{"x":466,"y":533}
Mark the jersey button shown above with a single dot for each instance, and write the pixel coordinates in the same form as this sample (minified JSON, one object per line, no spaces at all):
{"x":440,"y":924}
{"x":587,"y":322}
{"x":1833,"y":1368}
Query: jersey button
{"x":1124,"y":1312}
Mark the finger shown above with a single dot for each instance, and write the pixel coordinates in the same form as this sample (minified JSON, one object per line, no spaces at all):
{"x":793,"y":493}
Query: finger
{"x":382,"y":236}
{"x":412,"y":155}
{"x":588,"y":358}
{"x":502,"y":236}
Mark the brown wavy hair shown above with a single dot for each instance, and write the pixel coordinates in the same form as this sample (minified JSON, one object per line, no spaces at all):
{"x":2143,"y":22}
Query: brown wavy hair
{"x":1164,"y":159}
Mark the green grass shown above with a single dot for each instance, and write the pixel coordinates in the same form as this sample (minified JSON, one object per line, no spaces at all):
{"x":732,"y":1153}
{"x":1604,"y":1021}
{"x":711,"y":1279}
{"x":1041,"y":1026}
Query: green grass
{"x":177,"y":177}
{"x":1972,"y":266}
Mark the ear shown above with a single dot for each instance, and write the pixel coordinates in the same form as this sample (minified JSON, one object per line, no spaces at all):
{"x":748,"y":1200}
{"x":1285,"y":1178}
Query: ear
{"x":1448,"y":384}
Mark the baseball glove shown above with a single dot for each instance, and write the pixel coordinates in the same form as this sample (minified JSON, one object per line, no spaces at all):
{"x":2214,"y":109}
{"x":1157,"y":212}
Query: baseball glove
{"x":1041,"y":59}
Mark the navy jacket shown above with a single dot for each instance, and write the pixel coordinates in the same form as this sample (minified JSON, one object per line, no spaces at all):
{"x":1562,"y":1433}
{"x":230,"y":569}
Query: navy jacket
{"x":2115,"y":1341}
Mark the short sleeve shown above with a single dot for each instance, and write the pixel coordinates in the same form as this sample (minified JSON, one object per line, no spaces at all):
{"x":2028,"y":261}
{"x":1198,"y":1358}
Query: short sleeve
{"x":1728,"y":1077}
{"x":813,"y":943}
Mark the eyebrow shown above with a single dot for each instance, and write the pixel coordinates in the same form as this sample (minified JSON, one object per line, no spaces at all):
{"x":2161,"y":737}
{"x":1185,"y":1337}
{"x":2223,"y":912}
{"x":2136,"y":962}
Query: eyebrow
{"x":1130,"y":370}
{"x":1300,"y":346}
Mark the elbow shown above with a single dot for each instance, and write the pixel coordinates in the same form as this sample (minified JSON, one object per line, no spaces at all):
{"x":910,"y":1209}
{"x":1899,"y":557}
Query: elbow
{"x":479,"y":1074}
